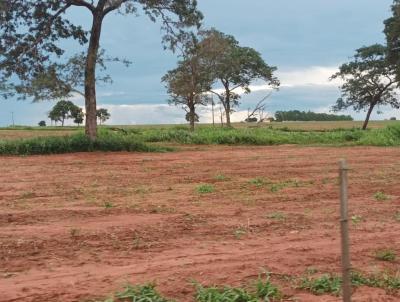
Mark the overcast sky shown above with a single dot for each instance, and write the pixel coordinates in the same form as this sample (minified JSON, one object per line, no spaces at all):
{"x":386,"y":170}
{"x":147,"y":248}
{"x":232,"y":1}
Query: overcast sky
{"x":306,"y":39}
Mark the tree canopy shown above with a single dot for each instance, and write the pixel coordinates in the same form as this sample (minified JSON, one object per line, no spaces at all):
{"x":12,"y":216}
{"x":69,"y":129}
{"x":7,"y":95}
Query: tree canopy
{"x":392,"y":32}
{"x":62,"y":80}
{"x":189,"y":83}
{"x":103,"y":115}
{"x":369,"y":81}
{"x":64,"y":110}
{"x":233,"y":67}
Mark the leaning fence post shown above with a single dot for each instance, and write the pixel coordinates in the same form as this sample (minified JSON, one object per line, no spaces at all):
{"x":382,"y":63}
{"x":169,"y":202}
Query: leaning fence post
{"x":344,"y":227}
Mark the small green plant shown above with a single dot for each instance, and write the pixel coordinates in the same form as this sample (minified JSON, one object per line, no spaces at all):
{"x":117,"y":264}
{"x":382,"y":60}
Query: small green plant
{"x":221,"y":177}
{"x":356,"y":219}
{"x":205,"y":189}
{"x":258,"y":181}
{"x":266,"y":291}
{"x":108,"y":205}
{"x":240,"y":232}
{"x":277,"y":216}
{"x":140,"y":293}
{"x":331,"y":284}
{"x":325,"y":284}
{"x":386,"y":255}
{"x":385,"y":280}
{"x":291,"y":183}
{"x":380,"y":196}
{"x":397,"y":216}
{"x":226,"y":294}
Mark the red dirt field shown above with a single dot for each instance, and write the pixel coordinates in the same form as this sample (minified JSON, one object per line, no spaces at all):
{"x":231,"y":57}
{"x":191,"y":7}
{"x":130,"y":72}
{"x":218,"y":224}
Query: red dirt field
{"x":80,"y":226}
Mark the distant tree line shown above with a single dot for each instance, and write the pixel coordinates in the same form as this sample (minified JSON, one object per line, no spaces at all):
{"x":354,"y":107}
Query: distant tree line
{"x":296,"y":115}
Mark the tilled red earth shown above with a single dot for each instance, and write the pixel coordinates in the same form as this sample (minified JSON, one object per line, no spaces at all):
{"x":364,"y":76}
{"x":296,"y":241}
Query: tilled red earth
{"x":81,"y":226}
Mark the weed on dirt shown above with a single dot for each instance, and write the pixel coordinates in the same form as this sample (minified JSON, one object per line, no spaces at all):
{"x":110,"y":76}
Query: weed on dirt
{"x":380,"y":196}
{"x":205,"y":189}
{"x":386,"y":255}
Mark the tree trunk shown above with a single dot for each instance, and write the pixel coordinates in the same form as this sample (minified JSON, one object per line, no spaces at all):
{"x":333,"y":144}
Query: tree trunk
{"x":90,"y":76}
{"x":192,"y":117}
{"x":228,"y":112}
{"x":227,"y":103}
{"x":371,"y":108}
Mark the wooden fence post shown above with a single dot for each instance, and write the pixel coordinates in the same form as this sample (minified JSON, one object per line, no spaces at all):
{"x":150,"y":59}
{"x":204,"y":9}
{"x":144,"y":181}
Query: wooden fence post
{"x":344,"y":227}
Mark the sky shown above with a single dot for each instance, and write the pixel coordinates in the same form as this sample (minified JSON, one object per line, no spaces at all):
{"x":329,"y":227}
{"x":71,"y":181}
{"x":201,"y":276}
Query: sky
{"x":305,"y":39}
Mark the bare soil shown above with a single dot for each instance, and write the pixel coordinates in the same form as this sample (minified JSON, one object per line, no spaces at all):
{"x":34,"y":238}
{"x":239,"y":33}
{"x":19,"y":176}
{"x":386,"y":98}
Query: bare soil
{"x":80,"y":226}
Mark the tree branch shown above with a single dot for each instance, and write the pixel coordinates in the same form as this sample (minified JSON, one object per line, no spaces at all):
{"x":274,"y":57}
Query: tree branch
{"x":89,"y":6}
{"x":46,"y":30}
{"x":113,"y":6}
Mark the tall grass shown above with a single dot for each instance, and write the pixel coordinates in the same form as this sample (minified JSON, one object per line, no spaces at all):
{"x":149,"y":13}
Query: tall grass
{"x":138,"y":139}
{"x":389,"y":136}
{"x":106,"y":141}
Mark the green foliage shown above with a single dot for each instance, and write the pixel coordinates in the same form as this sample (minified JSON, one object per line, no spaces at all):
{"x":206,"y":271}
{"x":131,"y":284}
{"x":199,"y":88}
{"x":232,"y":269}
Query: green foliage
{"x":106,"y":141}
{"x":386,"y":255}
{"x":140,"y":293}
{"x":277,"y":216}
{"x":266,"y":291}
{"x":258,"y":181}
{"x":226,"y":294}
{"x":42,"y":124}
{"x":385,"y":280}
{"x":380,"y":196}
{"x":296,"y":115}
{"x":331,"y":284}
{"x":322,"y":285}
{"x":189,"y":82}
{"x":392,"y":32}
{"x":369,"y":81}
{"x":356,"y":219}
{"x":108,"y":205}
{"x":102,"y":115}
{"x":64,"y":110}
{"x":233,"y":66}
{"x":221,"y":177}
{"x":205,"y":189}
{"x":34,"y":30}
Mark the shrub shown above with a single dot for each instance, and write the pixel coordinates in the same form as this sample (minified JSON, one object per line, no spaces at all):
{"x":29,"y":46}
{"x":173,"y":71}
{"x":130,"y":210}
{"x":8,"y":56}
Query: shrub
{"x":106,"y":141}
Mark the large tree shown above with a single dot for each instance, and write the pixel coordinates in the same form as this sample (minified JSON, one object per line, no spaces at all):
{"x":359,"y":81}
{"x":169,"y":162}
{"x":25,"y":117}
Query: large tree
{"x":369,"y":81}
{"x":234,"y":67}
{"x":31,"y":30}
{"x":103,"y":115}
{"x":64,"y":110}
{"x":189,"y":83}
